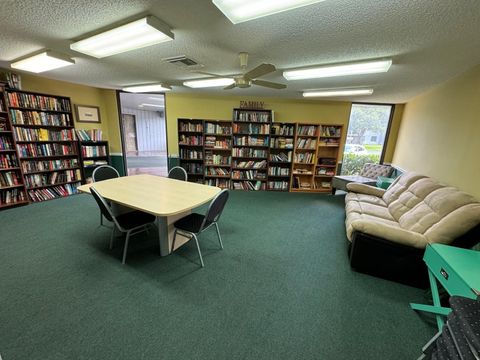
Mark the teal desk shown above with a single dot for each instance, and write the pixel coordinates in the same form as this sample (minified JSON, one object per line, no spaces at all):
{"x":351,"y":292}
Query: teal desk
{"x":456,"y":269}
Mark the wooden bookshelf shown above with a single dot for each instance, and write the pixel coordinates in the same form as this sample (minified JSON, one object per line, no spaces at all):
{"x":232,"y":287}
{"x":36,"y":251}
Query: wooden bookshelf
{"x":218,"y":152}
{"x":93,"y":153}
{"x":328,"y":153}
{"x":45,"y":140}
{"x":304,"y":157}
{"x":12,"y":188}
{"x":282,"y":137}
{"x":190,"y":145}
{"x":250,"y":149}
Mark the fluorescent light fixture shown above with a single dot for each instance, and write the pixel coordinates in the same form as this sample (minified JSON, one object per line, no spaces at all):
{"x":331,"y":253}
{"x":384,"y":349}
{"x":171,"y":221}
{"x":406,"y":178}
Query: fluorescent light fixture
{"x":366,"y":67}
{"x":209,"y":82}
{"x":238,"y":11}
{"x":44,"y":61}
{"x":147,"y":88}
{"x":152,"y":105}
{"x":337,"y":92}
{"x":155,"y":98}
{"x":134,"y":35}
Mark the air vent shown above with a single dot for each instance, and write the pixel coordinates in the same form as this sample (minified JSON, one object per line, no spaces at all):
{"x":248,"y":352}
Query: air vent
{"x":181,"y":60}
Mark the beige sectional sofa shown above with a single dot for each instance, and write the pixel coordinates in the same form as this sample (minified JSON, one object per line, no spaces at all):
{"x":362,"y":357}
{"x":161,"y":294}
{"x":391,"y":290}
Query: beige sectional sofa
{"x":389,"y":229}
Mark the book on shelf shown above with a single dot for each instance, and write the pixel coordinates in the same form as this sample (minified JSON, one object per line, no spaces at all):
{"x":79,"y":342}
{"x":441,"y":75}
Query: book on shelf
{"x":89,"y":135}
{"x":281,"y":157}
{"x":13,"y":80}
{"x":38,"y":102}
{"x":12,"y":196}
{"x":188,"y":126}
{"x":27,"y":117}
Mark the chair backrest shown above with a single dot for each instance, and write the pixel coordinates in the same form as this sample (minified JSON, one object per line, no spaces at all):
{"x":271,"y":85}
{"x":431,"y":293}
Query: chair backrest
{"x":104,"y":172}
{"x":374,"y":170}
{"x":216,"y":207}
{"x":178,"y":173}
{"x":102,"y":204}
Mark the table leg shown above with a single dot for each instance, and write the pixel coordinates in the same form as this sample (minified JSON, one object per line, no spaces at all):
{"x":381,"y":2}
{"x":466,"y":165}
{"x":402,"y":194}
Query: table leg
{"x":165,"y":232}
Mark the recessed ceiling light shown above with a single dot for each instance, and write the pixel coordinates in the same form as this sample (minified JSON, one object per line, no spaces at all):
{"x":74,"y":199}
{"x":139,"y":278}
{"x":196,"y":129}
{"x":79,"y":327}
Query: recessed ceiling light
{"x":366,"y":67}
{"x":238,"y":11}
{"x":134,"y":35}
{"x":152,"y":105}
{"x":44,"y":61}
{"x":209,"y":82}
{"x":147,"y":88}
{"x":338,"y":92}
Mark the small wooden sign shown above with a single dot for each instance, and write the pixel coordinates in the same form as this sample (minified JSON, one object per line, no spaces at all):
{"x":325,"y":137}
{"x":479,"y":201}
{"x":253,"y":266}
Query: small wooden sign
{"x":258,"y":105}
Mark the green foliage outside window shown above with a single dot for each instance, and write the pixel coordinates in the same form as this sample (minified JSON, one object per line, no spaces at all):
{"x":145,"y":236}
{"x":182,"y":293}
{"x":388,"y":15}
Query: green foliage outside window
{"x":353,"y":163}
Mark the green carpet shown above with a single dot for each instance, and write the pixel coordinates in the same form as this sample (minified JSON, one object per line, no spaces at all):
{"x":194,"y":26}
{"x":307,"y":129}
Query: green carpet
{"x":281,"y":289}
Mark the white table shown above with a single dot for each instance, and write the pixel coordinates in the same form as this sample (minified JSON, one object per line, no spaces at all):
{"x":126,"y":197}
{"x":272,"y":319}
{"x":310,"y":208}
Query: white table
{"x":167,"y":199}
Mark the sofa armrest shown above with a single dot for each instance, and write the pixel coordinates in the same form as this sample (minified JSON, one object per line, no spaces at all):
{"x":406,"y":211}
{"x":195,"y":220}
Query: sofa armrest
{"x":389,"y":232}
{"x":365,"y":189}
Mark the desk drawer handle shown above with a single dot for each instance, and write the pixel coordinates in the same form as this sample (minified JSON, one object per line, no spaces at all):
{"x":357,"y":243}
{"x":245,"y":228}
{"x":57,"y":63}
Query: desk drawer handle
{"x":444,"y":273}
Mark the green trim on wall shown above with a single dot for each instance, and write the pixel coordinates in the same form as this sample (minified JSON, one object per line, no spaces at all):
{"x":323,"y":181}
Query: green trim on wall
{"x":117,"y":162}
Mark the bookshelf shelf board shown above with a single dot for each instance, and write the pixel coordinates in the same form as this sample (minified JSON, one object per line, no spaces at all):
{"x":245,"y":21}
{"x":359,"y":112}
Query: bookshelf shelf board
{"x":329,"y":137}
{"x":16,"y":203}
{"x":50,"y":185}
{"x":280,"y":162}
{"x":95,"y":157}
{"x":222,"y":135}
{"x":39,"y":110}
{"x":249,"y":168}
{"x":285,"y":136}
{"x":93,"y":142}
{"x":307,"y":136}
{"x":44,"y":126}
{"x":218,"y":165}
{"x":46,"y":157}
{"x":327,"y":166}
{"x":47,"y":171}
{"x":5,"y":151}
{"x":3,"y":112}
{"x":189,"y":145}
{"x":328,"y":146}
{"x":5,"y":132}
{"x":9,"y":169}
{"x":11,"y":187}
{"x":279,"y":176}
{"x":280,"y":148}
{"x":44,"y":141}
{"x":185,"y":159}
{"x":301,"y":163}
{"x":217,"y":149}
{"x":252,"y":146}
{"x":302,"y":174}
{"x":218,"y":176}
{"x":324,"y":176}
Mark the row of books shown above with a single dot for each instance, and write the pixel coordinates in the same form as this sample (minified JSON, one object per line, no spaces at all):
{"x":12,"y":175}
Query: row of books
{"x":250,"y":164}
{"x":191,"y":154}
{"x":94,"y":163}
{"x":287,"y":130}
{"x":190,"y":140}
{"x":330,"y":131}
{"x":248,"y":175}
{"x":8,"y":161}
{"x":23,"y":134}
{"x":53,"y":192}
{"x":217,"y":143}
{"x":329,"y":142}
{"x":326,"y":171}
{"x":278,"y":171}
{"x":221,"y":183}
{"x":20,"y":117}
{"x":219,"y":129}
{"x":193,"y":168}
{"x":254,"y":116}
{"x":251,"y":129}
{"x":9,"y":178}
{"x":5,"y":143}
{"x":250,"y":141}
{"x":33,"y":150}
{"x":281,"y":143}
{"x":248,"y":185}
{"x":94,"y":151}
{"x":40,"y":102}
{"x":304,"y":158}
{"x":57,"y":177}
{"x":306,"y":143}
{"x":12,"y":196}
{"x":278,"y":185}
{"x":188,"y":126}
{"x":216,"y":159}
{"x":13,"y":80}
{"x":249,"y":152}
{"x":299,"y":183}
{"x":322,"y":185}
{"x":90,"y":135}
{"x":283,"y":157}
{"x":48,"y":165}
{"x":217,"y":171}
{"x":310,"y":130}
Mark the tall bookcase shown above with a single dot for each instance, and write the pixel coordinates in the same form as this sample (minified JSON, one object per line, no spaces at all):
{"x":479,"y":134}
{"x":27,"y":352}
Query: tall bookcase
{"x":328,"y":153}
{"x":304,"y":158}
{"x":12,"y":188}
{"x":190,"y":144}
{"x":218,"y":153}
{"x":282,"y":137}
{"x":44,"y":134}
{"x":250,"y":149}
{"x":92,"y":155}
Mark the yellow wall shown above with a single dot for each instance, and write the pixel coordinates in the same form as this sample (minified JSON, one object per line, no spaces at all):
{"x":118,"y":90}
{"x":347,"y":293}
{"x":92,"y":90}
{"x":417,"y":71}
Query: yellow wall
{"x":180,"y":105}
{"x":105,"y":99}
{"x":440,"y":133}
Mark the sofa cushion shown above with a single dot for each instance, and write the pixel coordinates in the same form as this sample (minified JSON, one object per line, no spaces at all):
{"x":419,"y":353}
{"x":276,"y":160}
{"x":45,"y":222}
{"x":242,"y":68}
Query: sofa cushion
{"x":355,"y":221}
{"x":371,"y":199}
{"x":400,"y":185}
{"x":368,"y":209}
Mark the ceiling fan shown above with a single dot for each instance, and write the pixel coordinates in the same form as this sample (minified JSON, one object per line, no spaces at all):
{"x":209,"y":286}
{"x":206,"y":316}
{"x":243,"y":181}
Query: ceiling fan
{"x":249,"y":78}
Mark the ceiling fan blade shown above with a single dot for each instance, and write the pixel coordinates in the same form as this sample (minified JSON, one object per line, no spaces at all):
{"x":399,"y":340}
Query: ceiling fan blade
{"x":260,"y":70}
{"x":229,"y":87}
{"x":210,"y":74}
{"x":269,"y":84}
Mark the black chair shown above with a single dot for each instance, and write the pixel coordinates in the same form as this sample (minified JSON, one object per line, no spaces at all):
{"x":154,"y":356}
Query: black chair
{"x":131,"y":223}
{"x":194,"y":224}
{"x":178,"y":173}
{"x":104,"y":172}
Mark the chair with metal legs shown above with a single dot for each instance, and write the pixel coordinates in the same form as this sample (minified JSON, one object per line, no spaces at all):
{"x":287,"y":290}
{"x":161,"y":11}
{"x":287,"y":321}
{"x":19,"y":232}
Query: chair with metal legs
{"x":130,"y":223}
{"x":192,"y":225}
{"x":178,"y":173}
{"x":104,"y":172}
